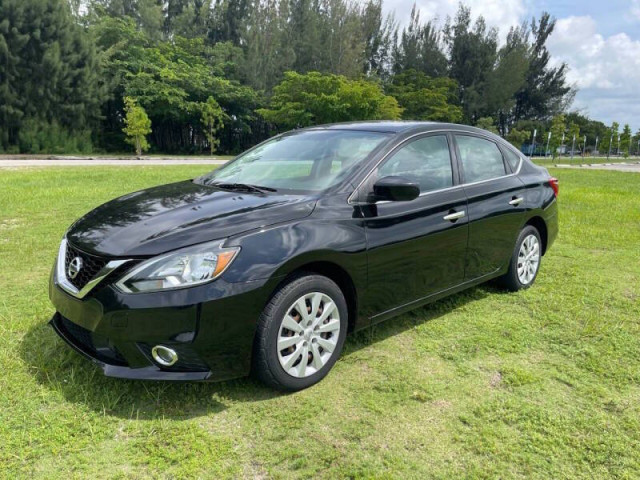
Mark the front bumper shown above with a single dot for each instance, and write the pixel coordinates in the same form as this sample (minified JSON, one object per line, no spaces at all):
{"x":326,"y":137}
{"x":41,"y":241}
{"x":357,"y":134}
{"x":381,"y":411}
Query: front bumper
{"x":210,"y":326}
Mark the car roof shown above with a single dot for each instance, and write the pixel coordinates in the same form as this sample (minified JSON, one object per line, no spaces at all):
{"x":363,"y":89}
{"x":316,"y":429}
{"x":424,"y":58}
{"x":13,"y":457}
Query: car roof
{"x":396,"y":126}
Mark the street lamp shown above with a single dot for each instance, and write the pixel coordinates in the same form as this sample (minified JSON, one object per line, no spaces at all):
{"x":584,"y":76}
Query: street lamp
{"x":596,"y":148}
{"x":610,"y":143}
{"x":573,"y":145}
{"x":533,"y":142}
{"x":548,"y":140}
{"x":584,"y":146}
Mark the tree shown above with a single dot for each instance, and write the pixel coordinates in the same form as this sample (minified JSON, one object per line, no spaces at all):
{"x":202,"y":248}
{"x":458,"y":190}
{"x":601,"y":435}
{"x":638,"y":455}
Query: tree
{"x":213,"y":120}
{"x":545,"y":92}
{"x":505,"y":79}
{"x":425,"y":98}
{"x":487,"y":123}
{"x":301,"y":100}
{"x":558,"y":128}
{"x":50,"y":79}
{"x":137,"y":125}
{"x":420,"y":48}
{"x":625,"y":140}
{"x":518,"y":137}
{"x":573,"y":135}
{"x":472,"y":56}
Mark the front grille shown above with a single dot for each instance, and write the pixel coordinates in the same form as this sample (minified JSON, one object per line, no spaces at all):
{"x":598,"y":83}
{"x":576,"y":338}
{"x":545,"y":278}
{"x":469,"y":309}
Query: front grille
{"x":94,"y":345}
{"x":188,"y":360}
{"x":91,"y":265}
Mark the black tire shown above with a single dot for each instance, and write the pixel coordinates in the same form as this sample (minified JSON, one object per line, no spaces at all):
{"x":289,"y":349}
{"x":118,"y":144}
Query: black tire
{"x":511,"y":280}
{"x":265,"y":362}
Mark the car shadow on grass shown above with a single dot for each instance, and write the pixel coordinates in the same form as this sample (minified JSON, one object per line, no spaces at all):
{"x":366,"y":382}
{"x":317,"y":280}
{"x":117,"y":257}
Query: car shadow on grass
{"x":60,"y":369}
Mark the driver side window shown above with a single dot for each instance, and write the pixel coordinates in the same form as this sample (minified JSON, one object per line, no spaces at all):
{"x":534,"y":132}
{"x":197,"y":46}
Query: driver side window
{"x":425,"y":161}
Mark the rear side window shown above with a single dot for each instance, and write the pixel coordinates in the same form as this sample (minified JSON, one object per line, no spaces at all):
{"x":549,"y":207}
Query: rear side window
{"x":481,"y":159}
{"x":512,"y":159}
{"x":425,"y":161}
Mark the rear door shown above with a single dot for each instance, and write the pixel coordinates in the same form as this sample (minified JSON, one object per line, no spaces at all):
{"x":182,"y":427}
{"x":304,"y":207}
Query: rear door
{"x":413,"y":250}
{"x":496,"y":204}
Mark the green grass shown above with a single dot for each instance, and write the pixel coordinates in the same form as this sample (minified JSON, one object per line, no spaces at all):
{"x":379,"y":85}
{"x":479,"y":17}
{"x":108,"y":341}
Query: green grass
{"x":577,"y":160}
{"x":543,"y":383}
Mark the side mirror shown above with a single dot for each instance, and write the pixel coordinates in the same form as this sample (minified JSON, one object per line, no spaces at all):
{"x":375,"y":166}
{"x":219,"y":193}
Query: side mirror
{"x":395,"y":189}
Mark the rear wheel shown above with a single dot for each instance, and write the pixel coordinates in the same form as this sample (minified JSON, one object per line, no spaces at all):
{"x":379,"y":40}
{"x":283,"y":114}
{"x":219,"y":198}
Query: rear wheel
{"x":525,"y":260}
{"x":300,"y":333}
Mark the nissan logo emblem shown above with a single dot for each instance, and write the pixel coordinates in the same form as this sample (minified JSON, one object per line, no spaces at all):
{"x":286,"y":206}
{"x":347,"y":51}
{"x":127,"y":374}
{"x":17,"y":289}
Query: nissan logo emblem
{"x":74,"y":268}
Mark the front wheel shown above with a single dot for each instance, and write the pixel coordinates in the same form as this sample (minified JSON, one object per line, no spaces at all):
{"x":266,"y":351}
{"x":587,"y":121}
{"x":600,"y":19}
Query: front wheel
{"x":525,"y":260}
{"x":300,"y":333}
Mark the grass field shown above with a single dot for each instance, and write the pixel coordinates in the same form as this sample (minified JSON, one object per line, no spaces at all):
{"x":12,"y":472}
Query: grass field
{"x":577,"y":160}
{"x":543,"y":383}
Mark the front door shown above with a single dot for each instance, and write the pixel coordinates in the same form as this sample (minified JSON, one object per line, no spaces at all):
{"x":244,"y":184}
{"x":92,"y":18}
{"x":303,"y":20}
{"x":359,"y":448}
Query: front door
{"x":416,"y":248}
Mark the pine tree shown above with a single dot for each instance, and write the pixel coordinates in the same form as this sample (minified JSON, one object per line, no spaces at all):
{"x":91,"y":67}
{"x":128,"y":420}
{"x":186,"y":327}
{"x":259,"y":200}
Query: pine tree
{"x":50,"y":72}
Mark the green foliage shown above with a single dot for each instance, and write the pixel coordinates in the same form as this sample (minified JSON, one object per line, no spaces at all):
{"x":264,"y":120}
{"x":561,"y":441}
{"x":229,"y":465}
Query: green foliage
{"x":49,"y":75}
{"x":558,"y":129}
{"x":37,"y":136}
{"x":420,"y":48}
{"x":518,"y":137}
{"x":313,"y":98}
{"x":472,"y":57}
{"x":487,"y":123}
{"x":137,"y":125}
{"x":68,"y":64}
{"x":545,"y":92}
{"x":213,"y":120}
{"x":425,"y":98}
{"x":573,"y":135}
{"x":625,"y":140}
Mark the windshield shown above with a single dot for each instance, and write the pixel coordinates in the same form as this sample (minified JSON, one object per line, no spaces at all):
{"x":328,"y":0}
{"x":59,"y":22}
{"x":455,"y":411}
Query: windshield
{"x":310,"y":160}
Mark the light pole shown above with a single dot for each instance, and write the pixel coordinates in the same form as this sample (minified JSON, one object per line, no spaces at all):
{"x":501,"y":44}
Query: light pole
{"x":562,"y":144}
{"x":573,"y":145}
{"x":610,"y":143}
{"x":548,"y":140}
{"x":533,"y":142}
{"x":596,"y":148}
{"x":584,"y":146}
{"x":618,"y":144}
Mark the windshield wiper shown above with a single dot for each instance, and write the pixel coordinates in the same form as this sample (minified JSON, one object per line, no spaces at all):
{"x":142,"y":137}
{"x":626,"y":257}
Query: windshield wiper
{"x":244,"y":186}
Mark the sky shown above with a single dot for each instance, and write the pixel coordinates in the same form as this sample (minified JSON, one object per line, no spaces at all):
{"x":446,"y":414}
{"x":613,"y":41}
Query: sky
{"x":599,"y":40}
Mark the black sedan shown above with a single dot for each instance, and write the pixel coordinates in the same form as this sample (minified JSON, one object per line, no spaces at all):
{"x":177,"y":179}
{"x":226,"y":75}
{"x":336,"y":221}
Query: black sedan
{"x":265,"y":264}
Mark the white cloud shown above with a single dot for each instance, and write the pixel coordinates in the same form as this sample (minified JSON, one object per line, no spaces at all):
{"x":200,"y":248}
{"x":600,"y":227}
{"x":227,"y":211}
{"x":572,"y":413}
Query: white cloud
{"x":635,"y":9}
{"x":497,"y":13}
{"x":606,"y":70}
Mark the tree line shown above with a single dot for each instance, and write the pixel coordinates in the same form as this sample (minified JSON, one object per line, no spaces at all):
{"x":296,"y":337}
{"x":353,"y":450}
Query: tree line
{"x":189,"y":76}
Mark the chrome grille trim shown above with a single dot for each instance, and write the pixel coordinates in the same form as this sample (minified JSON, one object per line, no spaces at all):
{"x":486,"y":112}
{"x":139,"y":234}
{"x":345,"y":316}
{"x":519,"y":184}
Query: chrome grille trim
{"x":63,"y":282}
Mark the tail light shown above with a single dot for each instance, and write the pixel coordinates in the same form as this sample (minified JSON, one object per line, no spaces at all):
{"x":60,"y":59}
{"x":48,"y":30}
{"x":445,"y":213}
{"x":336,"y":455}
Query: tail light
{"x":553,"y":182}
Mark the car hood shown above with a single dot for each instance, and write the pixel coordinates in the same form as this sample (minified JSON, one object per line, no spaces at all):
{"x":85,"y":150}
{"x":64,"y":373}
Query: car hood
{"x":164,"y":218}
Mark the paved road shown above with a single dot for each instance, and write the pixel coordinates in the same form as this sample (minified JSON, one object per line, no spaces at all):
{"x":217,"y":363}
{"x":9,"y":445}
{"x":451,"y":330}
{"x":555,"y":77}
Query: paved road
{"x":94,"y":162}
{"x":620,"y":167}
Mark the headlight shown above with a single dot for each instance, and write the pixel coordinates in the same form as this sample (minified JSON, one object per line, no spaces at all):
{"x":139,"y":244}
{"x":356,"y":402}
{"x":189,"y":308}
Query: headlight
{"x":183,"y":268}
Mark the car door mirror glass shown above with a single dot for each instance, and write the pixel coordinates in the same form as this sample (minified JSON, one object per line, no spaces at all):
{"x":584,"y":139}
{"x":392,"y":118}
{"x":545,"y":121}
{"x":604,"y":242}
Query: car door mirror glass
{"x":395,"y":189}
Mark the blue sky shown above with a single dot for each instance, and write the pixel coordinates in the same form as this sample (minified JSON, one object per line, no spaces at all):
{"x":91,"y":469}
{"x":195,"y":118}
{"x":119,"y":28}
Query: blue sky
{"x":599,"y":40}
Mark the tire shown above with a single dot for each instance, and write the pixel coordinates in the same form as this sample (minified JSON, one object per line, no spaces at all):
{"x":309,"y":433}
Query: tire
{"x":275,"y":366}
{"x":516,"y":279}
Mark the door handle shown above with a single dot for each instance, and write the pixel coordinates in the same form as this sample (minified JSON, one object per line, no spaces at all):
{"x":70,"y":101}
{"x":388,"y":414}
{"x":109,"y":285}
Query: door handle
{"x":454,"y":216}
{"x":516,"y":201}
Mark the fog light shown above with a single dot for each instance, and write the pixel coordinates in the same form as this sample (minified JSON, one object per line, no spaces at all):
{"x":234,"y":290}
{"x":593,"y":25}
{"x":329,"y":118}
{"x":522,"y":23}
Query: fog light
{"x":165,"y":356}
